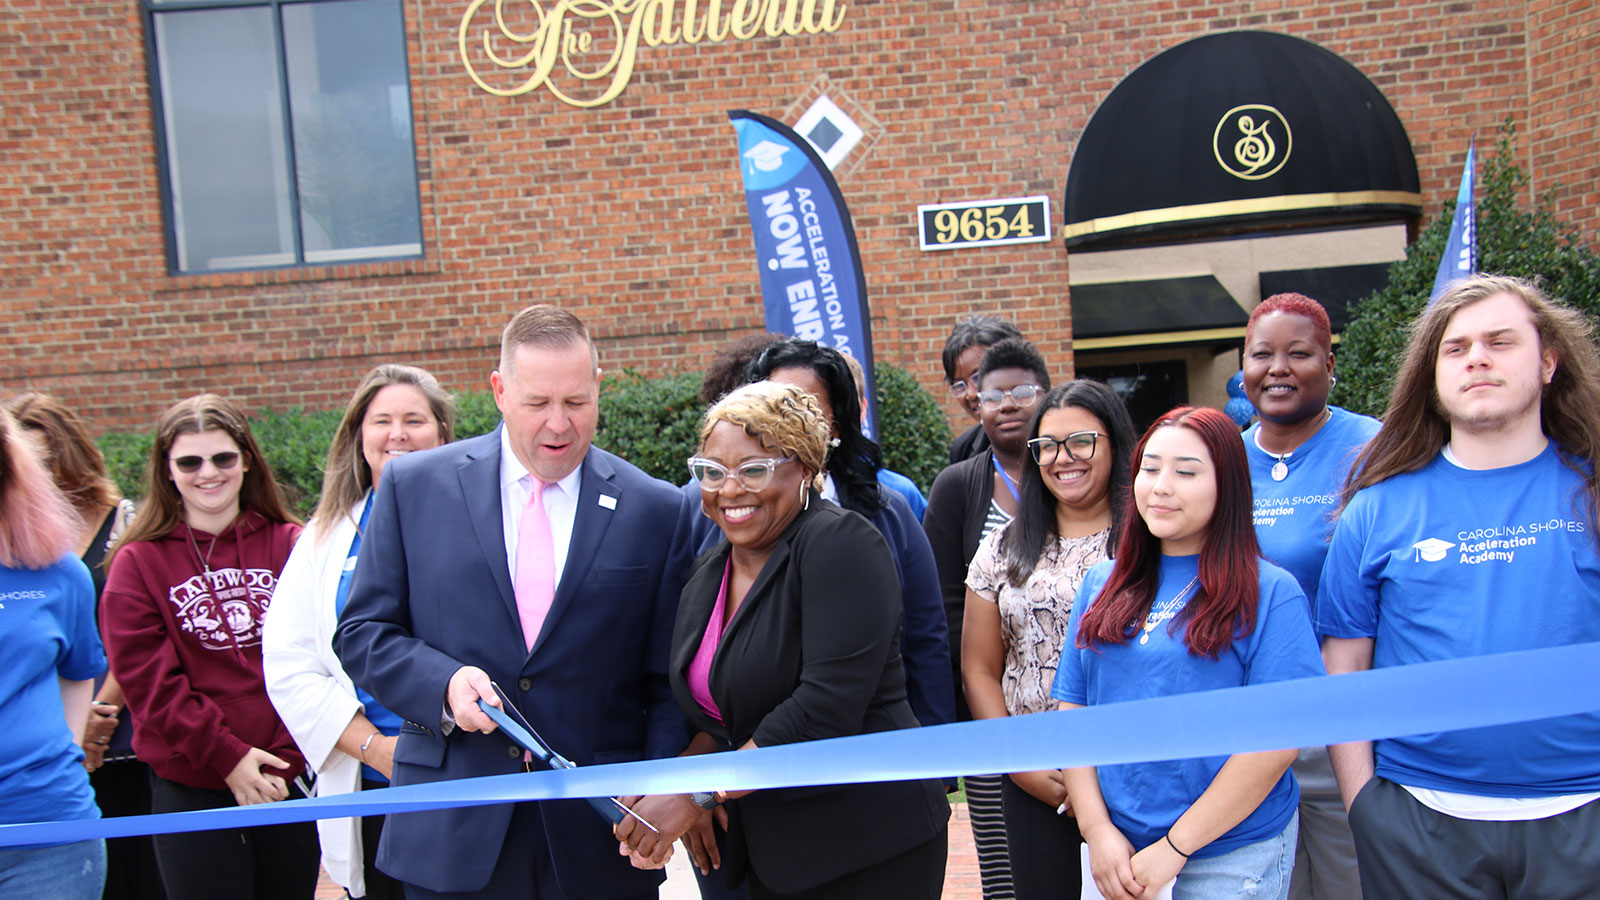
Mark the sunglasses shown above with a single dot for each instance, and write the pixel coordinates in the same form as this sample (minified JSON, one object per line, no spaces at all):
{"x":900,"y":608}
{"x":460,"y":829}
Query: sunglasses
{"x":193,"y":463}
{"x":753,"y":475}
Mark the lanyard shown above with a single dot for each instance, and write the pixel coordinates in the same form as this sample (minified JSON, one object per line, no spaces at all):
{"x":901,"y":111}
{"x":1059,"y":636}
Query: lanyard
{"x":1010,"y":485}
{"x":350,"y":561}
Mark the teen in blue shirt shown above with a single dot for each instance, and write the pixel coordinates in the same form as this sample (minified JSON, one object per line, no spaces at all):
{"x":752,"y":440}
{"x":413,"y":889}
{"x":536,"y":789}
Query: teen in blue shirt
{"x":50,"y":653}
{"x":1470,"y":529}
{"x":1187,"y":605}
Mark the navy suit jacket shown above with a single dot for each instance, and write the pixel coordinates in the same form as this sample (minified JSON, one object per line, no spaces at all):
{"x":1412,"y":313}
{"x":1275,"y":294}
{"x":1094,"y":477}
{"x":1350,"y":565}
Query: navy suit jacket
{"x":432,"y":592}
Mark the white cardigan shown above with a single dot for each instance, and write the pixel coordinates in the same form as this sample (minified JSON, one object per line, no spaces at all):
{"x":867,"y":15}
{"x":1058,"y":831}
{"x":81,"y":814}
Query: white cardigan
{"x":313,"y":695}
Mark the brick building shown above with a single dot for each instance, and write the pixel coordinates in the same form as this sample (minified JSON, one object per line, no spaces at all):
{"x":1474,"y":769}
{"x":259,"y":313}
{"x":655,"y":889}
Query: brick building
{"x":126,"y":286}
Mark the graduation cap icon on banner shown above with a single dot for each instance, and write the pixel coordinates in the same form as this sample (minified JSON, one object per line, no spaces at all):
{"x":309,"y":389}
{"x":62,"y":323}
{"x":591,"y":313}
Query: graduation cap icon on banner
{"x":766,"y":156}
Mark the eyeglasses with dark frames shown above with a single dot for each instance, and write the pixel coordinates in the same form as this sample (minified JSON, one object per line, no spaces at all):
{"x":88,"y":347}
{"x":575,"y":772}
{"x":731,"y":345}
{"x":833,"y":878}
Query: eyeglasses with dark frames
{"x":1022,"y":395}
{"x":191,"y":464}
{"x":752,"y":474}
{"x":1079,"y":446}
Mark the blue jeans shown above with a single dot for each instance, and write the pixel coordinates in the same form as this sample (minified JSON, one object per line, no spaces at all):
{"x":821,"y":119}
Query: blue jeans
{"x":1260,"y":870}
{"x":64,"y":872}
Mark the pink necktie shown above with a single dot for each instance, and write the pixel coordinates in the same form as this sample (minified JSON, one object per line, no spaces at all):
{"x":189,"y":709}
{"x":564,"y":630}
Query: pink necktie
{"x":535,"y":586}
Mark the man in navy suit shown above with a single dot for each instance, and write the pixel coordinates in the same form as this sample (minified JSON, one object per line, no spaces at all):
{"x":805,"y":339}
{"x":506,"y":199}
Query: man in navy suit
{"x":437,"y":610}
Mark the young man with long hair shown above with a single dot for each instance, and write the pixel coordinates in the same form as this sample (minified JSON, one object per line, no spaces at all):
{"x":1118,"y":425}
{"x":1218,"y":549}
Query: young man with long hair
{"x":1468,"y":529}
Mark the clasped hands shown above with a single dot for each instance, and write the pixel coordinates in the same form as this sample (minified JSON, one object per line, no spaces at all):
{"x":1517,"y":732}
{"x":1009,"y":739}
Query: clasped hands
{"x":1122,"y":874}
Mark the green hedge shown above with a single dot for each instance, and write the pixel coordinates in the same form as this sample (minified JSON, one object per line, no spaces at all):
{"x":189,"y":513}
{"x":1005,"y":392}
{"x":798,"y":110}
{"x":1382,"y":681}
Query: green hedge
{"x":651,"y":422}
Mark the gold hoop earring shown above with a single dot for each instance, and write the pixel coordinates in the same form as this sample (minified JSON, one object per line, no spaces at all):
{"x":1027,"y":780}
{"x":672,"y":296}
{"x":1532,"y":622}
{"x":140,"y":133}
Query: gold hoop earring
{"x":805,"y":497}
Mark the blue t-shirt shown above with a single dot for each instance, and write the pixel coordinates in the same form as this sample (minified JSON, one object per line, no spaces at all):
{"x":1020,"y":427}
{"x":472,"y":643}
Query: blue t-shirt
{"x":1145,"y":799}
{"x":1292,"y":516}
{"x":47,"y":633}
{"x":1447,"y":562}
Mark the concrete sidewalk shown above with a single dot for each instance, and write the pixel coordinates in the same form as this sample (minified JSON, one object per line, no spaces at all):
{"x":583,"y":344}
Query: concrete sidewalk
{"x":960,"y":879}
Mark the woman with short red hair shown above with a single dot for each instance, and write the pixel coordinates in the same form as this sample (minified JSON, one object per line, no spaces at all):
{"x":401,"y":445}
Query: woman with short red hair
{"x":1186,"y":605}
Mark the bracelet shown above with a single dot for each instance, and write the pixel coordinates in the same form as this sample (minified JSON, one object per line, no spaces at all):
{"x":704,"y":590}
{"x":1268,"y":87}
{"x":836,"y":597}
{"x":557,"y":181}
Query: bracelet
{"x":368,"y":742}
{"x":1174,"y":847}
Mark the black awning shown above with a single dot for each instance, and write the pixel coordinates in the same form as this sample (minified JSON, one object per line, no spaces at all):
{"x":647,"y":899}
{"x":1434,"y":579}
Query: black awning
{"x":1144,"y":307}
{"x":1242,"y":126}
{"x":1335,"y":287}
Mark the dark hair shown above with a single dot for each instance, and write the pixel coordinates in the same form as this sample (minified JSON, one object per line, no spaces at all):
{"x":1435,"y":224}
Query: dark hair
{"x":1230,"y":560}
{"x":162,"y":508}
{"x":74,"y":461}
{"x":1034,"y":527}
{"x":974,"y":331}
{"x":1014,"y":353}
{"x":1295,"y":305}
{"x":729,"y":365}
{"x":854,"y":464}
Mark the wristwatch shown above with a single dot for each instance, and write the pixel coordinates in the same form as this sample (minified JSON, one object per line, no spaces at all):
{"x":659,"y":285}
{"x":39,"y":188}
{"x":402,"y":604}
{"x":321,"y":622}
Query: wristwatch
{"x":704,"y":800}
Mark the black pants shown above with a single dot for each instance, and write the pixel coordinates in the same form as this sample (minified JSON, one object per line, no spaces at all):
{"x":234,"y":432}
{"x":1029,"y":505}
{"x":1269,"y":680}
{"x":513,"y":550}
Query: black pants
{"x":1043,"y":846}
{"x":379,"y":885}
{"x":916,"y":874}
{"x":122,"y":788}
{"x":1407,"y":850}
{"x":269,"y":862}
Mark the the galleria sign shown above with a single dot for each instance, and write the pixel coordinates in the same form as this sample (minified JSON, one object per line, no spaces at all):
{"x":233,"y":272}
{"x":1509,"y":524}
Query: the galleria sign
{"x":597,"y":42}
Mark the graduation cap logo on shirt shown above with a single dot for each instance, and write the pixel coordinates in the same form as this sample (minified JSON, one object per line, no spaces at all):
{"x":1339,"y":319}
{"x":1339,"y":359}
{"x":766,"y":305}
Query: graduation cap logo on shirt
{"x":1430,"y":550}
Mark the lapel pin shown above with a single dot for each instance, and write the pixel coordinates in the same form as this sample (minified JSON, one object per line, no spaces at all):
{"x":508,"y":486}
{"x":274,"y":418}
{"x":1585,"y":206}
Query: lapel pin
{"x":607,"y":501}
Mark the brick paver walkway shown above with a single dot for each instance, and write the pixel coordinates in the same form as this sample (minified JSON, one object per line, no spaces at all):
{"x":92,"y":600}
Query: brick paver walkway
{"x":960,"y":879}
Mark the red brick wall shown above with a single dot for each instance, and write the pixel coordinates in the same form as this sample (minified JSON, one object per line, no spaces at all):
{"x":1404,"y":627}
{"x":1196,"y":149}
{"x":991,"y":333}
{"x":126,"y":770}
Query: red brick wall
{"x":633,"y":212}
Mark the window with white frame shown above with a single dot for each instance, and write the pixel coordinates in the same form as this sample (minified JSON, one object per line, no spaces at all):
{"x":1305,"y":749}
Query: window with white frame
{"x":284,"y":131}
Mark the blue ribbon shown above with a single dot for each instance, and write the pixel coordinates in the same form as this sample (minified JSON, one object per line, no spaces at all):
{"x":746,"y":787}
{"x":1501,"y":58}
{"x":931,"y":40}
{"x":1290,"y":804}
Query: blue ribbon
{"x":1384,"y":703}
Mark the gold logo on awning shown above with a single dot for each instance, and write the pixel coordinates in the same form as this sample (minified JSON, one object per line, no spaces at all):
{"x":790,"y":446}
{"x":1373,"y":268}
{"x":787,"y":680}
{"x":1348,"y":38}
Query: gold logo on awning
{"x":1252,"y":141}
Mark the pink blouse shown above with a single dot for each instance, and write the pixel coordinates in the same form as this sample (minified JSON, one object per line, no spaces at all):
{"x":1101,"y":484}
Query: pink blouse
{"x":700,"y":666}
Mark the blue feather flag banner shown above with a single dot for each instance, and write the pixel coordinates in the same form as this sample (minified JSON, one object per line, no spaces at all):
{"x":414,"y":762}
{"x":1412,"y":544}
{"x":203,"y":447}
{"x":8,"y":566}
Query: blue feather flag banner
{"x":1460,"y":257}
{"x":812,"y":286}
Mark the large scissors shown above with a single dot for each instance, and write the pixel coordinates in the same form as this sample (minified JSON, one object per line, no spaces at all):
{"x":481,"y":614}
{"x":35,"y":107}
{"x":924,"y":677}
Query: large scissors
{"x":610,"y":808}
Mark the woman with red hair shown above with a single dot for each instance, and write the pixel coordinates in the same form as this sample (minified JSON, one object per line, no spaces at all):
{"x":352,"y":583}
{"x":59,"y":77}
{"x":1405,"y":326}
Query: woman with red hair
{"x":1186,"y":605}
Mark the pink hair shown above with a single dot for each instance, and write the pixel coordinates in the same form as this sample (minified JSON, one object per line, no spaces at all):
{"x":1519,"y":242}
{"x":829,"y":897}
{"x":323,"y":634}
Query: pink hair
{"x":1295,"y":305}
{"x":37,"y":524}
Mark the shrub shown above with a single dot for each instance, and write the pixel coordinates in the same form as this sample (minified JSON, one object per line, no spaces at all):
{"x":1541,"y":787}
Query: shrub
{"x":915,"y":434}
{"x":1511,"y":241}
{"x":651,"y":422}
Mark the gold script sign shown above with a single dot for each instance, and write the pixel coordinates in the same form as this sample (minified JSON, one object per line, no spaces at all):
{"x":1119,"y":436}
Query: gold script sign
{"x":571,"y":31}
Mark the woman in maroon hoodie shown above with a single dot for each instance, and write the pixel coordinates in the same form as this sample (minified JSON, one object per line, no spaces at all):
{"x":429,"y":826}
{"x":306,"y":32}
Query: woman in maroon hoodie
{"x":187,"y":589}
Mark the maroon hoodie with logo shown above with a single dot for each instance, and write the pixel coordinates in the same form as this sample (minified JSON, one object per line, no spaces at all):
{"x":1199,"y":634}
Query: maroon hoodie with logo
{"x":187,"y":649}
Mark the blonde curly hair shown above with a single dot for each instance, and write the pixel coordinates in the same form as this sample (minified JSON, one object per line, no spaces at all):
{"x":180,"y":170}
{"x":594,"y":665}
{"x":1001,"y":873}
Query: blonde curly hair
{"x":781,"y":416}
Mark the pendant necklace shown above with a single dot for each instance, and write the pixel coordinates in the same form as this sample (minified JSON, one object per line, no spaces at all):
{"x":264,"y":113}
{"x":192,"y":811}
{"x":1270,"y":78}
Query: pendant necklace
{"x":1280,"y":469}
{"x":1167,"y":610}
{"x":205,"y":562}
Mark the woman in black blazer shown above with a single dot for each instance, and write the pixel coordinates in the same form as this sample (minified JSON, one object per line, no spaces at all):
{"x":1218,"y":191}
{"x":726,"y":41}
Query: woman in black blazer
{"x":787,"y":631}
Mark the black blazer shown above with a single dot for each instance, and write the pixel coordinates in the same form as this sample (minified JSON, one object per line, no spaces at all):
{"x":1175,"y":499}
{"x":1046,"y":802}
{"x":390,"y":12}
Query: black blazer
{"x":958,"y":505}
{"x":811,"y":653}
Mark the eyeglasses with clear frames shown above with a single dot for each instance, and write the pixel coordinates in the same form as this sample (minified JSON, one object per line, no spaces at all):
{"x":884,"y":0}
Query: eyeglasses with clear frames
{"x":752,"y":474}
{"x":1022,"y":395}
{"x":1079,"y":446}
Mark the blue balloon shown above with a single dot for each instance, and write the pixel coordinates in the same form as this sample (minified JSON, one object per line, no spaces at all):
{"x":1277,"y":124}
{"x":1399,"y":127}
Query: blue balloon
{"x":1240,"y":411}
{"x":1236,"y":384}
